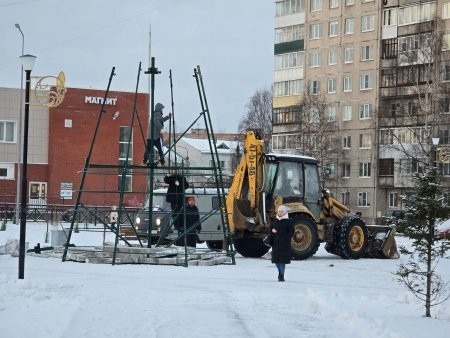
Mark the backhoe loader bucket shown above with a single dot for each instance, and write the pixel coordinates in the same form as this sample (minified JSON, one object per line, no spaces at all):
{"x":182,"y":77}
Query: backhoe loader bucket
{"x":242,"y":215}
{"x":382,"y":242}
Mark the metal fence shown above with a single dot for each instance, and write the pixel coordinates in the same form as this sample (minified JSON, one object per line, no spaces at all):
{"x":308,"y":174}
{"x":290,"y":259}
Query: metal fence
{"x":64,"y":213}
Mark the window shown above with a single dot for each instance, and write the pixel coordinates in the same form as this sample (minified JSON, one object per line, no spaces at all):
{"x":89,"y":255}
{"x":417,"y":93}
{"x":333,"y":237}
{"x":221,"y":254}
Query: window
{"x":314,"y":115}
{"x":289,"y":60}
{"x":347,"y":113}
{"x":331,"y":113}
{"x":418,"y":165}
{"x":347,"y":83}
{"x":330,"y":170}
{"x":334,"y":3}
{"x":416,"y":13}
{"x":315,"y":31}
{"x":346,"y":142}
{"x":284,"y":141}
{"x":289,"y":33}
{"x":366,"y":111}
{"x":445,"y":72}
{"x":331,"y":86}
{"x":221,"y":164}
{"x":314,"y":59}
{"x":390,"y":17}
{"x":445,"y":105}
{"x":444,"y":169}
{"x":388,"y":77}
{"x":365,"y":82}
{"x":386,"y":167}
{"x":332,"y":56}
{"x":333,"y":28}
{"x":389,"y":48}
{"x":316,"y":5}
{"x":365,"y":141}
{"x":365,"y":169}
{"x":314,"y":87}
{"x":446,"y":10}
{"x":287,"y":7}
{"x":349,"y":2}
{"x":288,"y":88}
{"x":286,"y":115}
{"x":394,"y":198}
{"x":346,"y":170}
{"x":7,"y":131}
{"x":386,"y":136}
{"x":7,"y":171}
{"x":444,"y":136}
{"x":349,"y":25}
{"x":363,"y":199}
{"x":367,"y":23}
{"x":366,"y":53}
{"x":446,"y":41}
{"x":345,"y":198}
{"x":348,"y":54}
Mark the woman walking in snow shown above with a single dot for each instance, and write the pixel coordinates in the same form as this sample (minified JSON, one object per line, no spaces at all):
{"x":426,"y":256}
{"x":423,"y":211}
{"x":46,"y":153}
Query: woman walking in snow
{"x":282,"y":229}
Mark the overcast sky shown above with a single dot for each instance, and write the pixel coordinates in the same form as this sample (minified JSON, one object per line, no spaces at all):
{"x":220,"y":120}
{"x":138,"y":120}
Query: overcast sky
{"x":231,"y":40}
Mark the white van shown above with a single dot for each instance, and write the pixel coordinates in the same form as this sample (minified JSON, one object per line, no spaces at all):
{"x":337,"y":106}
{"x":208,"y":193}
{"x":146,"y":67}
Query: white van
{"x":207,"y":202}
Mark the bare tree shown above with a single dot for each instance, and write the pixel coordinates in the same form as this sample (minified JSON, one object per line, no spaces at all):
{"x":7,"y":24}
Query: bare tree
{"x":259,"y":114}
{"x":317,"y":132}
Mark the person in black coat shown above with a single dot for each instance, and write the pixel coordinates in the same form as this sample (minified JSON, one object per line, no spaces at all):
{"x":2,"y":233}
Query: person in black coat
{"x":158,"y":125}
{"x":282,"y":229}
{"x":177,"y":185}
{"x":192,"y":218}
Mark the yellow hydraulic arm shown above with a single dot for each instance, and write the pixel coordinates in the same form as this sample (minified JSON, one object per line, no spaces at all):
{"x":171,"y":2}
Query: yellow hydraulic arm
{"x":246,"y":175}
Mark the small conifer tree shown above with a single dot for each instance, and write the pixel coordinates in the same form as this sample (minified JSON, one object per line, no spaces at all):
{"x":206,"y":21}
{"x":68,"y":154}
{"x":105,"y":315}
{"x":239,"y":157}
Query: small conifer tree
{"x":423,"y":210}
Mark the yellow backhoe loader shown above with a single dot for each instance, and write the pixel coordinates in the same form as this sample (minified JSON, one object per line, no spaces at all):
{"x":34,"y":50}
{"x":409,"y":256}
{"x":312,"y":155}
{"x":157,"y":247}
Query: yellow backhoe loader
{"x":262,"y":182}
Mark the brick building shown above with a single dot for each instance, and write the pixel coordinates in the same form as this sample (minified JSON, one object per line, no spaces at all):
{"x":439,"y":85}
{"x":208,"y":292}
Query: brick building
{"x":60,"y":140}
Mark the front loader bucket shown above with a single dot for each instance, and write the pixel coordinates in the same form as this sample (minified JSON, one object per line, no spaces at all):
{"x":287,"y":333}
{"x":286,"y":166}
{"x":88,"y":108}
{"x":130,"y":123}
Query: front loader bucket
{"x":382,"y":242}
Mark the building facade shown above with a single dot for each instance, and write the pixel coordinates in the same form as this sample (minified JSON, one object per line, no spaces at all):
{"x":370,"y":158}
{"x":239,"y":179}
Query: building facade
{"x":349,"y":89}
{"x":61,"y":138}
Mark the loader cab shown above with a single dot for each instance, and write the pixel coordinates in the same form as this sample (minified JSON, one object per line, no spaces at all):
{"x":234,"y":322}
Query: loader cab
{"x":294,"y":178}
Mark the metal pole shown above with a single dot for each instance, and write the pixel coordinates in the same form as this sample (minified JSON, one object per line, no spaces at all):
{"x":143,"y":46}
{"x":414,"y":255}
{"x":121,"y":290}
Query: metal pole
{"x":19,"y":136}
{"x":23,"y":208}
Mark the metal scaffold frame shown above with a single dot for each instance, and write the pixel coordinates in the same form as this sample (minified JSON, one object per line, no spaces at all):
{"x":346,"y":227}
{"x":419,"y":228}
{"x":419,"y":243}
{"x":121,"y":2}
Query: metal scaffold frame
{"x":125,"y":168}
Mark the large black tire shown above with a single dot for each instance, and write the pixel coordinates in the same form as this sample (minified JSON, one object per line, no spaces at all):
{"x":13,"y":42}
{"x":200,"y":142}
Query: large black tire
{"x":353,"y":238}
{"x":214,"y":245}
{"x":250,"y":247}
{"x":305,"y":241}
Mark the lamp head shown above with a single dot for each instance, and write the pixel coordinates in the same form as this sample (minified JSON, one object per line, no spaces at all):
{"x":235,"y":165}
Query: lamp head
{"x":28,"y":61}
{"x":17,"y":26}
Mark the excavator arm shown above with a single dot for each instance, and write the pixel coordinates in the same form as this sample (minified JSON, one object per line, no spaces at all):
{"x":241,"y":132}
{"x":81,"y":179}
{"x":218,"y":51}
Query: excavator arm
{"x":242,"y":198}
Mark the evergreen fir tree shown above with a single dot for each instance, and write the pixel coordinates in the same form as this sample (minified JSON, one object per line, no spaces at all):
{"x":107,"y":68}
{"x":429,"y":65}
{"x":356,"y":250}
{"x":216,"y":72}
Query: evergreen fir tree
{"x":424,"y":210}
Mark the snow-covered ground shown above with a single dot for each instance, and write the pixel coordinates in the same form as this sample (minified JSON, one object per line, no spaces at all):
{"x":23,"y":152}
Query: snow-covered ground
{"x":324,"y":297}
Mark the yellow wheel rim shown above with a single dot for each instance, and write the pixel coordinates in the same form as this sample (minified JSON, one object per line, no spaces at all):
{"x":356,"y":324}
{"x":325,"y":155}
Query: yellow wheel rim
{"x":302,"y":238}
{"x":356,"y":238}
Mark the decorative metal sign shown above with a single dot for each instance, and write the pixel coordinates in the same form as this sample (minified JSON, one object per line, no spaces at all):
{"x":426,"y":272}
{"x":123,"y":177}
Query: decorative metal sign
{"x":50,"y":90}
{"x":444,"y":154}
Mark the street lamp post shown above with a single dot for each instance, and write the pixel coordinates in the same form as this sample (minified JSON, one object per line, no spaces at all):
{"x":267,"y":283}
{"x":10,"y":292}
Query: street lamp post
{"x":27,"y":64}
{"x":435,"y":141}
{"x":19,"y":136}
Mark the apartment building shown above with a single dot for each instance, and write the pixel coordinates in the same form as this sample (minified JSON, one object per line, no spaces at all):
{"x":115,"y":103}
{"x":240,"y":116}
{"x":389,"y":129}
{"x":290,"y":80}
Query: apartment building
{"x":350,"y":82}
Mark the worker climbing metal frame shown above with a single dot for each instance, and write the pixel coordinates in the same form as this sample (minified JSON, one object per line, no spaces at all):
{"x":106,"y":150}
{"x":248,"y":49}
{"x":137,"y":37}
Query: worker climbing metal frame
{"x":125,"y":168}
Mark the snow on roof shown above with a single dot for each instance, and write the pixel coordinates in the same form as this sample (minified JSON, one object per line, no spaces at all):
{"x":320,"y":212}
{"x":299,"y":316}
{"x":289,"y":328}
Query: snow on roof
{"x":223,"y":146}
